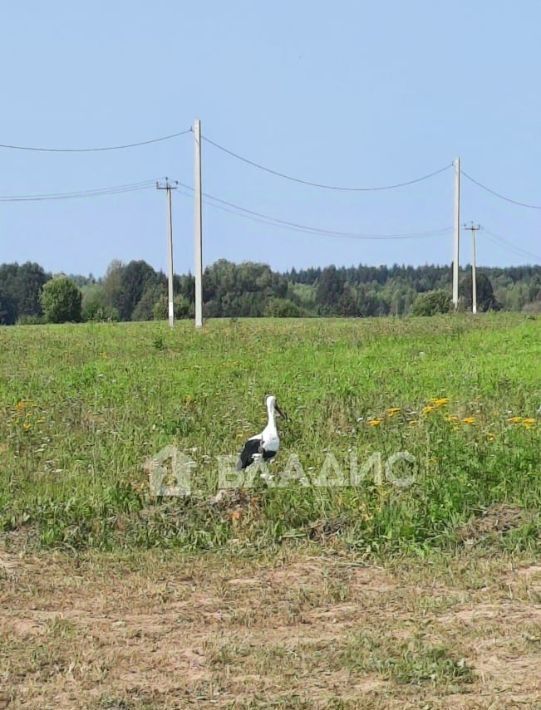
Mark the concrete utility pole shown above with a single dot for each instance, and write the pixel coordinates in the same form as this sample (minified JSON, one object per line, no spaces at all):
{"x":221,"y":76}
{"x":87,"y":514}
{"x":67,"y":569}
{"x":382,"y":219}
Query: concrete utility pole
{"x":456,"y":242}
{"x":198,"y":225}
{"x":473,"y":228}
{"x":167,"y":186}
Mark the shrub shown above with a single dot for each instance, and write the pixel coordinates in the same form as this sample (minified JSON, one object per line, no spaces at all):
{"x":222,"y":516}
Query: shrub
{"x":182,"y":308}
{"x":281,"y":308}
{"x":61,"y":301}
{"x":30,"y":320}
{"x":431,"y":303}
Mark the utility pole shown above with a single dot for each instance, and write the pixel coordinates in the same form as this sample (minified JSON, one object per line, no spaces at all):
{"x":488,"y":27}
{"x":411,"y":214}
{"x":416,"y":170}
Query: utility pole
{"x":167,"y":186}
{"x":198,"y":225}
{"x":456,"y":242}
{"x":473,"y":228}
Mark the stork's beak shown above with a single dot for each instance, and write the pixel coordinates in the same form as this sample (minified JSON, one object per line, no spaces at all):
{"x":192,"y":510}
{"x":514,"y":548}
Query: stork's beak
{"x":282,"y":414}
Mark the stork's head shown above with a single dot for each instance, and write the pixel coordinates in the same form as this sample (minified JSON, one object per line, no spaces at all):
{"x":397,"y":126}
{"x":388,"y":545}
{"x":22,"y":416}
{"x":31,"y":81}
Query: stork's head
{"x":272,"y":406}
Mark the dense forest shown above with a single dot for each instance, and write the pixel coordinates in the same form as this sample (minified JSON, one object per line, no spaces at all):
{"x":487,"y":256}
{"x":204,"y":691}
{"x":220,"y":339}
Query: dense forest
{"x":135,"y":291}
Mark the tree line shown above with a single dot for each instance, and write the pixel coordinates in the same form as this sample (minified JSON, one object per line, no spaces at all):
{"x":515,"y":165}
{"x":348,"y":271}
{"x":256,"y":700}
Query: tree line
{"x":136,"y":291}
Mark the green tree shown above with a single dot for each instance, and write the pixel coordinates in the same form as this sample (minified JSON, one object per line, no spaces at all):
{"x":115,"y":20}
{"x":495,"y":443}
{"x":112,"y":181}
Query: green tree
{"x":329,"y":288}
{"x":347,"y":303}
{"x":125,"y":285}
{"x":95,"y":305}
{"x":485,"y":293}
{"x":112,"y":283}
{"x":61,"y":301}
{"x":8,"y":309}
{"x":432,"y":302}
{"x":153,"y":293}
{"x":22,"y":284}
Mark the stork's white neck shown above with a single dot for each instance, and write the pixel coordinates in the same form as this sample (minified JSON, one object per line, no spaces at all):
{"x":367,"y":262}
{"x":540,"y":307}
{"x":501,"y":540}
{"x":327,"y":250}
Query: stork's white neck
{"x":271,"y":414}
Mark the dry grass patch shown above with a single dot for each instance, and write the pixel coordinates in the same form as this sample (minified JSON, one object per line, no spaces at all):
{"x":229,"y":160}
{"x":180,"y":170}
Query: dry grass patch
{"x":159,"y":630}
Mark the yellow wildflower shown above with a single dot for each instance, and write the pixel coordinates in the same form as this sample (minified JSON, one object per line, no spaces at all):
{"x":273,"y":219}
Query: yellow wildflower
{"x":374,"y":422}
{"x":468,"y":420}
{"x":27,"y":426}
{"x":429,"y":408}
{"x":528,"y":422}
{"x":515,"y":420}
{"x":440,"y":402}
{"x":392,"y":411}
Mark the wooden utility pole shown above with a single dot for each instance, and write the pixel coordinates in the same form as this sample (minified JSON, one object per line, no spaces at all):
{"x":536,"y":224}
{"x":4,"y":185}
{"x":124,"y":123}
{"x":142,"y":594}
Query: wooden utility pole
{"x":473,"y":228}
{"x":198,"y":225}
{"x":167,"y":186}
{"x":456,"y":241}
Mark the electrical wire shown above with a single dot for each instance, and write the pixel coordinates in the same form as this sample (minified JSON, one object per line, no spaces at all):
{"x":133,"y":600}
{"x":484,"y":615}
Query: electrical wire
{"x":95,"y":149}
{"x":95,"y":192}
{"x":498,"y":239}
{"x":341,"y":188}
{"x":498,"y":194}
{"x":260,"y":217}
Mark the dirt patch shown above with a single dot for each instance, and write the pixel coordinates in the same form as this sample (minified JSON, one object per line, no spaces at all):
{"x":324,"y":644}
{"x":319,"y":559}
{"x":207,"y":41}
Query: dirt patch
{"x":323,"y":530}
{"x":494,"y":521}
{"x":9,"y":563}
{"x":157,"y":630}
{"x":532,"y":571}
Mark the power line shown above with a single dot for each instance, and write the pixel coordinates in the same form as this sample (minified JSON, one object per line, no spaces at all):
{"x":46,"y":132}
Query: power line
{"x":498,"y":239}
{"x":341,"y":188}
{"x":499,"y":194}
{"x":94,"y":192}
{"x":315,"y":232}
{"x":95,"y":149}
{"x":240,"y":211}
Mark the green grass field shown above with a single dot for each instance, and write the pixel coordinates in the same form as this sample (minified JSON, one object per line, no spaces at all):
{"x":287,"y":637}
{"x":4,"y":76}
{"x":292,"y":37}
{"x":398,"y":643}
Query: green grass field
{"x":298,"y":596}
{"x":83,"y":406}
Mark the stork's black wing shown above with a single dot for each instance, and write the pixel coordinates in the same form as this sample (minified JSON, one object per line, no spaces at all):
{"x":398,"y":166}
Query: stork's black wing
{"x":251,"y":447}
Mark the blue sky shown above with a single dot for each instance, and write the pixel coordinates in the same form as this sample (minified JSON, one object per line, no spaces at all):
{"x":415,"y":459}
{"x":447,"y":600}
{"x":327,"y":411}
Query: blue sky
{"x":347,"y":93}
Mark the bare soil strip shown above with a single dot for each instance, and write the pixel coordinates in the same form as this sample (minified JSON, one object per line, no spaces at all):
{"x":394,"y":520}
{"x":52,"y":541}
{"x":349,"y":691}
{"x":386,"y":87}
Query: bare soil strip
{"x":294,"y":630}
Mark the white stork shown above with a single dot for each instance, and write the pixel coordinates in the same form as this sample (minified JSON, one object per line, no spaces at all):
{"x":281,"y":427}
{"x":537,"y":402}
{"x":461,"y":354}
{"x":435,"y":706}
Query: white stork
{"x":265,"y":445}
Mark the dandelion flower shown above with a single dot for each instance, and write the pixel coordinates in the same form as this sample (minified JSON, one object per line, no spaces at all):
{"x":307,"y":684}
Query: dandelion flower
{"x":440,"y":402}
{"x":468,"y":420}
{"x":392,"y":411}
{"x":429,"y":408}
{"x":374,"y":422}
{"x":528,"y":423}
